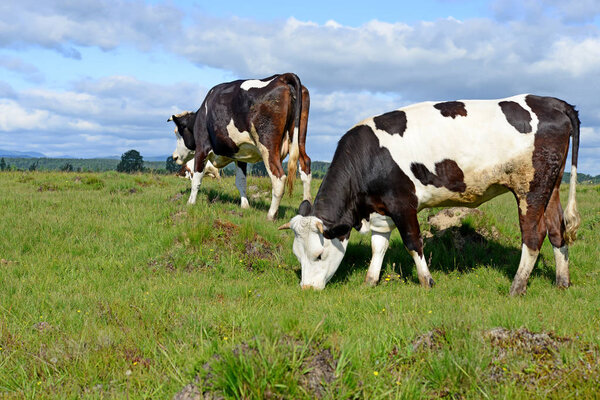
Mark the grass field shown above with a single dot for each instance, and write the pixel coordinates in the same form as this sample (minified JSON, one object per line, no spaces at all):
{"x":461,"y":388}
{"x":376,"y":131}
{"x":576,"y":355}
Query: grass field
{"x":112,"y":287}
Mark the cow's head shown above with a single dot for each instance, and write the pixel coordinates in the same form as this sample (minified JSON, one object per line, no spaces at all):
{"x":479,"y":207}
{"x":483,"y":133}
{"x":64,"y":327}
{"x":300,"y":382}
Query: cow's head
{"x":186,"y":145}
{"x":319,"y":257}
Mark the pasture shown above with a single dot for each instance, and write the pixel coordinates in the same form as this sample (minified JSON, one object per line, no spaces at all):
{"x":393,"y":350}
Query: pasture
{"x":111,"y":286}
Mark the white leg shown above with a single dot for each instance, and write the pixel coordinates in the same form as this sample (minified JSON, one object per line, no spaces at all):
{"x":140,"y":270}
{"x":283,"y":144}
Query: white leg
{"x":240,"y":184}
{"x":528,"y":258}
{"x":277,"y":194}
{"x":306,"y":178}
{"x":422,"y":270}
{"x":379,"y":245}
{"x":196,"y":181}
{"x":561,"y":257}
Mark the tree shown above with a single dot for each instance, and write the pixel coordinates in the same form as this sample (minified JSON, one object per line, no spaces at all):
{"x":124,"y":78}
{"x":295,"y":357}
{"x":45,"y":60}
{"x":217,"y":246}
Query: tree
{"x":67,"y":167}
{"x":2,"y":164}
{"x":131,"y":161}
{"x":34,"y":165}
{"x":171,"y":165}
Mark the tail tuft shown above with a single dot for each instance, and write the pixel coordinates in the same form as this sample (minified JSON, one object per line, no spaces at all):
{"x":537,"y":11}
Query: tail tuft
{"x":571,"y":215}
{"x":294,"y":151}
{"x":572,"y":218}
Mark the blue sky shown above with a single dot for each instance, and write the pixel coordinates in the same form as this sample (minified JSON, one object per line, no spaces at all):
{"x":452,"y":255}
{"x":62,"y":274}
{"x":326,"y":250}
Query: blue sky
{"x":96,"y":78}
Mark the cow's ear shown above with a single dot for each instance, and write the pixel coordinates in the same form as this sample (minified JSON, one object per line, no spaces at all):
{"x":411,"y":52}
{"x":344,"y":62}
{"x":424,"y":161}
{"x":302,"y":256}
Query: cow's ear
{"x":305,"y":208}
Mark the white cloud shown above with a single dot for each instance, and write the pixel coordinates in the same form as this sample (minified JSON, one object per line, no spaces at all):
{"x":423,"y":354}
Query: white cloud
{"x":14,"y":117}
{"x":574,"y":57}
{"x":352,"y":72}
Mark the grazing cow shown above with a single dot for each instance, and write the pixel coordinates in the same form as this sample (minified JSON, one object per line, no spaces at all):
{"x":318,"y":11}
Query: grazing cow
{"x":187,"y":170}
{"x":389,"y":167}
{"x":249,"y":121}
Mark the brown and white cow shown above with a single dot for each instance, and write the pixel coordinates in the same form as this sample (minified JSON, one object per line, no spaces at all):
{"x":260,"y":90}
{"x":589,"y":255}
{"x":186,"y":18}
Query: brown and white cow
{"x":249,"y":121}
{"x":389,"y":167}
{"x":187,"y":170}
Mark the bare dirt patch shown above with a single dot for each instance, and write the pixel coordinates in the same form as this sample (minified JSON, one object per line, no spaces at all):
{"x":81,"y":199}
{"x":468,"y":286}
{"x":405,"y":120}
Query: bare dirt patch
{"x":449,"y":221}
{"x":316,"y":372}
{"x":534,"y":359}
{"x":42,"y":326}
{"x":543,"y":344}
{"x":257,"y":253}
{"x":432,"y":340}
{"x":136,"y":358}
{"x":321,"y":372}
{"x":177,"y":197}
{"x":178,"y":216}
{"x":225,"y":229}
{"x":450,"y":217}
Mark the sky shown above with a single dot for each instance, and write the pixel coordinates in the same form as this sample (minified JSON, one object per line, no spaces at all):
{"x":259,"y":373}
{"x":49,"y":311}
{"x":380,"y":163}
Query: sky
{"x":94,"y":78}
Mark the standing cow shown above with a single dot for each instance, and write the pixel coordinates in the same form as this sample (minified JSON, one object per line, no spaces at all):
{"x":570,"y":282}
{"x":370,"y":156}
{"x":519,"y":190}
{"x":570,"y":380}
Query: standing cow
{"x":249,"y":121}
{"x":187,"y":170}
{"x":389,"y":167}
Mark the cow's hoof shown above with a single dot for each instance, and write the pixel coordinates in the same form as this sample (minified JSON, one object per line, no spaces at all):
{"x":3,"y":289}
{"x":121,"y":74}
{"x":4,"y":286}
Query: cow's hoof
{"x":370,"y":282}
{"x":562,"y":283}
{"x":518,"y":288}
{"x":427,"y":282}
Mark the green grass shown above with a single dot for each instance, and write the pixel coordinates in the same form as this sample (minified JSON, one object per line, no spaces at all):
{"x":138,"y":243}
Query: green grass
{"x":112,"y":287}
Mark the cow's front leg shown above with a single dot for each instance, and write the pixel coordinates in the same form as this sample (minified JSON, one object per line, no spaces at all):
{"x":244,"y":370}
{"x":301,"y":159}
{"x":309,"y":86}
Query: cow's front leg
{"x":199,"y":161}
{"x":379,"y":245}
{"x":240,"y":182}
{"x":408,"y":226}
{"x":196,"y":181}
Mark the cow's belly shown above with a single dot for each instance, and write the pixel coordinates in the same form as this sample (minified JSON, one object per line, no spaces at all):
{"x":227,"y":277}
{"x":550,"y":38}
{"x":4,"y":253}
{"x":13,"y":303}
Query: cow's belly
{"x":248,"y":153}
{"x":472,"y":197}
{"x":482,"y":183}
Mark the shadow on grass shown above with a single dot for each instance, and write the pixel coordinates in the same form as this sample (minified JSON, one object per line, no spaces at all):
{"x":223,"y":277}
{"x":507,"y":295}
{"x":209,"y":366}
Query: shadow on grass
{"x":216,"y":196}
{"x":457,"y":249}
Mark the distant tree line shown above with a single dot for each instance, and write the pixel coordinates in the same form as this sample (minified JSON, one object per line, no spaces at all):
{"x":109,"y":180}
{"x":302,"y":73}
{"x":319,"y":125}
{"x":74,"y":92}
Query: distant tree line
{"x":132,"y":161}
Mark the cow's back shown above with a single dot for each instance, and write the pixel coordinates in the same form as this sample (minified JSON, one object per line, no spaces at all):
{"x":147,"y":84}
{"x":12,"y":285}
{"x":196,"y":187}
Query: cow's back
{"x":462,"y":152}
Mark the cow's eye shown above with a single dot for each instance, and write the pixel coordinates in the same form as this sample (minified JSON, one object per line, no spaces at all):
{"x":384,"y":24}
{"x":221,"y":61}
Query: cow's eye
{"x":319,"y":257}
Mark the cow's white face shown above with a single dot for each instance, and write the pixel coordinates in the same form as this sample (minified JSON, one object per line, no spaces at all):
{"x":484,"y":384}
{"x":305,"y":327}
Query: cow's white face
{"x":318,"y":256}
{"x":182,"y":154}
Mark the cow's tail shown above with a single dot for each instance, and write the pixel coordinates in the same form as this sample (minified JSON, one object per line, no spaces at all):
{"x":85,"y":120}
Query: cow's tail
{"x":571,"y":216}
{"x":293,"y":80}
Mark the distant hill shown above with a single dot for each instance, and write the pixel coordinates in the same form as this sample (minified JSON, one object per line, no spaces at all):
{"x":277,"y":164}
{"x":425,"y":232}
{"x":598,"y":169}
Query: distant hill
{"x":20,"y":154}
{"x":582,"y":178}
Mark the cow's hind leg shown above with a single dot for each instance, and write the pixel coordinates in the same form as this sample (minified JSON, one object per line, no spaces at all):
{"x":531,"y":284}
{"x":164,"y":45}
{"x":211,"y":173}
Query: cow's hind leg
{"x":553,"y":216}
{"x":533,"y":232}
{"x":304,"y":160}
{"x":278,"y":184}
{"x":408,"y":226}
{"x":240,"y":182}
{"x":379,"y":245}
